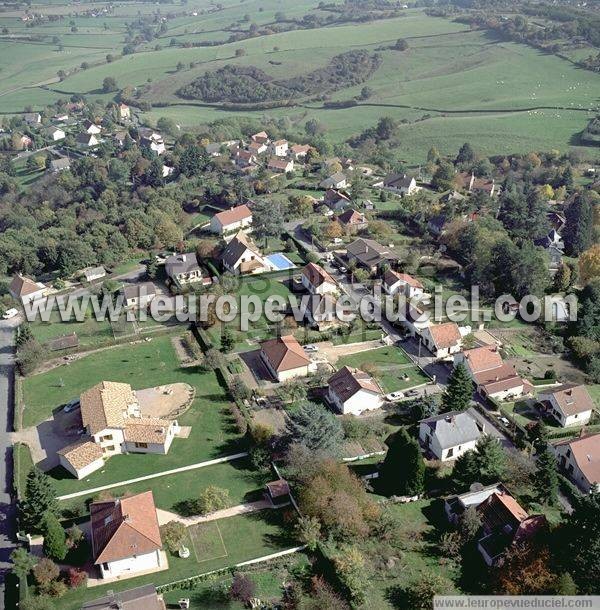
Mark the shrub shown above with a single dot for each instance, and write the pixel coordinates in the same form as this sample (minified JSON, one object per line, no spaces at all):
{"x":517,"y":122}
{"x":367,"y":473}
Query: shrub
{"x":76,"y":578}
{"x":242,"y":588}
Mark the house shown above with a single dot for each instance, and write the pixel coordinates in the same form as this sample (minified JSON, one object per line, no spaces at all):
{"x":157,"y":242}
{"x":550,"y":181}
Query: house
{"x":468,"y":182}
{"x":261,"y":136}
{"x":91,"y":128}
{"x":125,"y":536}
{"x":453,"y":197}
{"x":63,"y":342}
{"x":456,"y":506}
{"x":552,"y":239}
{"x":111,"y":416}
{"x":285,"y":359}
{"x":140,"y":598}
{"x":570,"y":404}
{"x":85,"y":140}
{"x":352,"y":221}
{"x":369,"y":254}
{"x":124,"y":112}
{"x":394,"y":283}
{"x":138,"y":295}
{"x":25,"y":141}
{"x":321,"y":311}
{"x":318,"y":281}
{"x":278,"y":492}
{"x":504,"y":523}
{"x":152,"y":140}
{"x":183,"y":269}
{"x":245,"y":158}
{"x":298,"y":152}
{"x":32,"y":118}
{"x":336,"y":181}
{"x":241,"y":256}
{"x":59,"y":165}
{"x":336,"y":200}
{"x":90,"y":274}
{"x":449,"y":435}
{"x":353,"y":391}
{"x":437,"y":225}
{"x":55,"y":133}
{"x":279,"y":148}
{"x":280,"y":165}
{"x":442,"y":340}
{"x":580,"y":460}
{"x":26,"y":290}
{"x":414,"y":319}
{"x":492,"y":376}
{"x":257,"y":148}
{"x":401,"y":184}
{"x":231,"y":220}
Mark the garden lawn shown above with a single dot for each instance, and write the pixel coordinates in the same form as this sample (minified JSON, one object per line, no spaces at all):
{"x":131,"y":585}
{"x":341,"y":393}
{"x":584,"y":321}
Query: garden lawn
{"x":143,"y":364}
{"x":244,"y":537}
{"x":381,"y":356}
{"x":237,"y":477}
{"x":22,"y":465}
{"x":393,"y":379}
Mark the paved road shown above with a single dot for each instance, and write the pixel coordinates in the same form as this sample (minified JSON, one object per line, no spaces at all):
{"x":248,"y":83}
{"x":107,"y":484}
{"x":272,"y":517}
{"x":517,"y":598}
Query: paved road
{"x":7,"y":507}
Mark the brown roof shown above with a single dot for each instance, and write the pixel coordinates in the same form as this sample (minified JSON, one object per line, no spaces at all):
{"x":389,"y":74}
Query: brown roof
{"x":279,"y":142}
{"x":300,"y":148}
{"x":124,"y":528}
{"x":22,"y":286}
{"x":140,"y":598}
{"x":105,"y":405}
{"x":64,"y":342}
{"x":146,"y":430}
{"x":351,"y":217}
{"x":346,"y":382}
{"x":445,"y":335}
{"x":236,"y":214}
{"x":82,"y":453}
{"x":277,"y":163}
{"x":316,"y":275}
{"x":572,"y":398}
{"x":284,"y":353}
{"x":483,"y":358}
{"x":586,"y":452}
{"x":501,"y":509}
{"x":278,"y":488}
{"x":236,"y":247}
{"x":391,"y":277}
{"x":261,"y":135}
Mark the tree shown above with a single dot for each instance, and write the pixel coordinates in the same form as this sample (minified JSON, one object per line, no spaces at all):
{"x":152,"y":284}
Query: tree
{"x":213,"y":498}
{"x":485,"y":464}
{"x":193,"y":160}
{"x":459,"y":392}
{"x":173,"y":534}
{"x":468,"y":525}
{"x":23,"y":562}
{"x":565,"y":585}
{"x":350,"y":568}
{"x":39,"y":499}
{"x":403,"y":470}
{"x":309,"y":531}
{"x":589,"y":263}
{"x":242,"y":588}
{"x":421,"y":590}
{"x":581,"y":549}
{"x":588,"y":323}
{"x":443,"y":176}
{"x":74,"y":536}
{"x":526,"y":570}
{"x":334,"y":230}
{"x":76,"y":578}
{"x":109,"y":84}
{"x":546,"y":478}
{"x":268,"y":219}
{"x":578,"y":232}
{"x":55,"y":541}
{"x":315,"y":427}
{"x":322,"y":595}
{"x":227,"y":341}
{"x":45,"y":572}
{"x":33,"y":602}
{"x":465,"y":470}
{"x":401,"y":45}
{"x":562,"y":278}
{"x":386,"y":127}
{"x":466,"y":155}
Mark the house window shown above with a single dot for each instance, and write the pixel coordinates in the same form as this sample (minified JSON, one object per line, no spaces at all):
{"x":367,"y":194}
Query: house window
{"x":141,"y":445}
{"x":108,"y":437}
{"x":105,"y":566}
{"x":108,"y":448}
{"x":450,"y":452}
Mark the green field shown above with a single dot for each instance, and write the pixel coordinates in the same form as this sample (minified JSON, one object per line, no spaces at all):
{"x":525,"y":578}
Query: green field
{"x":143,"y":364}
{"x":382,"y":356}
{"x":451,"y":85}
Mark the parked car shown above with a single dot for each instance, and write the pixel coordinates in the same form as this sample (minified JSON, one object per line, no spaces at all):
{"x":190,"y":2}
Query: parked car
{"x":394,"y":396}
{"x":504,"y":421}
{"x":311,"y":348}
{"x":412,"y":393}
{"x":10,"y":313}
{"x":72,"y":405}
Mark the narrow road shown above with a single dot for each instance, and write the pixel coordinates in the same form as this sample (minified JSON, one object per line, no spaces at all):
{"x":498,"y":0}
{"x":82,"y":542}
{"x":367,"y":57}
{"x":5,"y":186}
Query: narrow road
{"x":7,"y":502}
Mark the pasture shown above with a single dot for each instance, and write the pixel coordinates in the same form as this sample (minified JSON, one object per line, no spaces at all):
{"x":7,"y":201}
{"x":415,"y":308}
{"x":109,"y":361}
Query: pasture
{"x":451,"y":85}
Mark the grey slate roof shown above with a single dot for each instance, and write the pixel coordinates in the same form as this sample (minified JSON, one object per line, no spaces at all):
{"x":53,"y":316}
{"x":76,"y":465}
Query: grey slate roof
{"x":453,"y":428}
{"x":181,"y":263}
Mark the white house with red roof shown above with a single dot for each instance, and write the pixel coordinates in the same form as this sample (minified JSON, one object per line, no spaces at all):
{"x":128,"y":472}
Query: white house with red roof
{"x":26,"y":290}
{"x":318,"y":281}
{"x":570,"y":404}
{"x":352,"y":391}
{"x":492,"y":376}
{"x":279,"y":165}
{"x":403,"y":283}
{"x":579,"y":459}
{"x":279,"y":148}
{"x":442,"y":340}
{"x":126,"y":536}
{"x":285,"y":358}
{"x":234,"y":219}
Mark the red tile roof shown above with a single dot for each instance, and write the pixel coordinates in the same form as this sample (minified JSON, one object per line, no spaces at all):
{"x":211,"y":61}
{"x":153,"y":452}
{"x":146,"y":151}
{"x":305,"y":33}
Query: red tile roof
{"x":571,"y":398}
{"x":284,"y":353}
{"x":240,"y":212}
{"x":316,"y":275}
{"x":483,"y":358}
{"x":586,"y":452}
{"x":445,"y":335}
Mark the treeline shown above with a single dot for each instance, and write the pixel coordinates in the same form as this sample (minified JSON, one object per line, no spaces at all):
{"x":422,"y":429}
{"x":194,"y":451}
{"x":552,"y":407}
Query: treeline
{"x":591,"y":134}
{"x":248,"y":84}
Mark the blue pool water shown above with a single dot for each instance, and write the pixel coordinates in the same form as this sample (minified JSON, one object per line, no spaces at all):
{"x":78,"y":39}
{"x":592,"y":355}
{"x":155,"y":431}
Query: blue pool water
{"x":280,"y":261}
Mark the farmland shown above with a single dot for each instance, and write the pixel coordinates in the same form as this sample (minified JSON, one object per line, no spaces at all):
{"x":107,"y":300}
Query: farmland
{"x":451,"y":81}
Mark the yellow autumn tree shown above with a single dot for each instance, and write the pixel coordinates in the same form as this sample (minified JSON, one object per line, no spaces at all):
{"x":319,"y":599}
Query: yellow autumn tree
{"x":589,"y":263}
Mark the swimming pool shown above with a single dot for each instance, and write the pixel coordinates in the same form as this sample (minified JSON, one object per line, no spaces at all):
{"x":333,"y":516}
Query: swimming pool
{"x":280,"y":261}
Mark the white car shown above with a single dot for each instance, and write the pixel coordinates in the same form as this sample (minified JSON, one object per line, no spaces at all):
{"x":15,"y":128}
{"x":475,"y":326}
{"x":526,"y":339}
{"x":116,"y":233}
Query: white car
{"x":71,"y":406}
{"x":10,"y":313}
{"x":311,"y":348}
{"x":394,"y":396}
